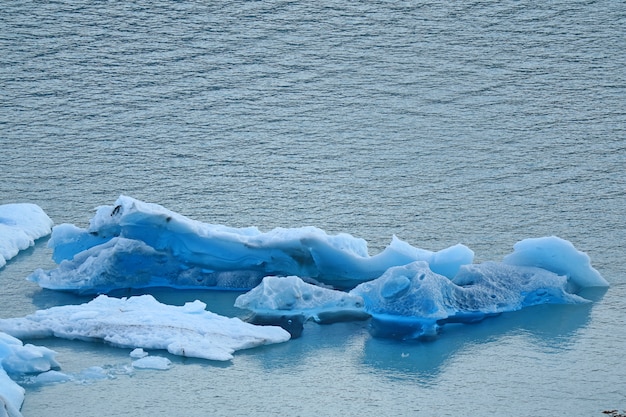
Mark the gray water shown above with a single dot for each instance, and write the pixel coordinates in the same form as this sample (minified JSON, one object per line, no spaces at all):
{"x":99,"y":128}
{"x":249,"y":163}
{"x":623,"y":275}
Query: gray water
{"x":473,"y":122}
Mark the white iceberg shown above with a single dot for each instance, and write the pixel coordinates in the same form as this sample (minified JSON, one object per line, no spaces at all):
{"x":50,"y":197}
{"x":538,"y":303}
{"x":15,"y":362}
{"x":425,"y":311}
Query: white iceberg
{"x":143,"y":322}
{"x":133,"y":244}
{"x":20,"y":225}
{"x":15,"y":359}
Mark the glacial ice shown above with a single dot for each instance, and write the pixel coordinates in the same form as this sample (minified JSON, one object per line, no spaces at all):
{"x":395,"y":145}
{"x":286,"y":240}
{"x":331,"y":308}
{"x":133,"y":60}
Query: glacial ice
{"x":290,"y":300}
{"x":143,"y":322}
{"x":293,"y":275}
{"x":20,"y":225}
{"x":413,"y":302}
{"x":559,"y":256}
{"x":134,"y":244}
{"x":17,"y":358}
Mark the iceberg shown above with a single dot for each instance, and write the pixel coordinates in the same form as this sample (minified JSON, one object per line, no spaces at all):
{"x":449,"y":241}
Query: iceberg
{"x":412,"y":302}
{"x":143,"y":322}
{"x":133,"y":244}
{"x":289,"y":302}
{"x":17,"y":358}
{"x":20,"y":225}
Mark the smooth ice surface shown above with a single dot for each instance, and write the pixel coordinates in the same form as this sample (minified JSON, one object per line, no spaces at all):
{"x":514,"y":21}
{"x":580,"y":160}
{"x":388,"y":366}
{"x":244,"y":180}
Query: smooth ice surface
{"x":136,"y":244}
{"x":277,"y":296}
{"x":17,"y":358}
{"x":20,"y":225}
{"x":143,"y":322}
{"x":411,"y":301}
{"x":559,"y":256}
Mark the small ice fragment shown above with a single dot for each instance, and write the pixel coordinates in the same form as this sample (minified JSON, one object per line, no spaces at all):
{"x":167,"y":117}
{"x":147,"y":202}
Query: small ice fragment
{"x":138,"y":353}
{"x":153,"y":362}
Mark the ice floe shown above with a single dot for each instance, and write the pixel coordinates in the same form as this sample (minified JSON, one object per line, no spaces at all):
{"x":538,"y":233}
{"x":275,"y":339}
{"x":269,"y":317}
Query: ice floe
{"x":143,"y":322}
{"x":20,"y":225}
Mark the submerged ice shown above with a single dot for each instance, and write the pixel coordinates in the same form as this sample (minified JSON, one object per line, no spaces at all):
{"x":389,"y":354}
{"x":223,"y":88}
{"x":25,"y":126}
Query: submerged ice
{"x":134,"y":244}
{"x":20,"y":225}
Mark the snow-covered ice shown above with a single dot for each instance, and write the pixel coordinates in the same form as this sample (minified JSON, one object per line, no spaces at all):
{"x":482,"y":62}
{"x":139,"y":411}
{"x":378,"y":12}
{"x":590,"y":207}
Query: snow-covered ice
{"x":20,"y":225}
{"x":143,"y":322}
{"x":133,"y":244}
{"x":15,"y":359}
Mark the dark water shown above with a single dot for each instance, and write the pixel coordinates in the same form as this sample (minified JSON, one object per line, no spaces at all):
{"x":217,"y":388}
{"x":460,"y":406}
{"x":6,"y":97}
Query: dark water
{"x":474,"y":122}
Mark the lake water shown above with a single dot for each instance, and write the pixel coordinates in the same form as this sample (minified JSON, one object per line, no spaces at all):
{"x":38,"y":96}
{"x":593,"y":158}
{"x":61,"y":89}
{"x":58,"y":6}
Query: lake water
{"x":482,"y":123}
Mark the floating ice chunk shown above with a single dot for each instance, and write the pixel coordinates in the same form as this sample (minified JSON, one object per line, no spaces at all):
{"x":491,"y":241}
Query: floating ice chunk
{"x":51,"y":377}
{"x":153,"y":362}
{"x":20,"y":225}
{"x":559,"y":256}
{"x":160,"y":247}
{"x":17,"y":358}
{"x":411,"y":301}
{"x":144,"y":322}
{"x":138,"y":353}
{"x":291,"y":296}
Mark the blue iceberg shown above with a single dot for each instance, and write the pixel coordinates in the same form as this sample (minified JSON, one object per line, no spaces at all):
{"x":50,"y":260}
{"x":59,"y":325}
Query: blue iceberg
{"x":16,"y":359}
{"x":408,"y":292}
{"x":413,"y":302}
{"x":134,"y":244}
{"x":20,"y":225}
{"x":289,"y":302}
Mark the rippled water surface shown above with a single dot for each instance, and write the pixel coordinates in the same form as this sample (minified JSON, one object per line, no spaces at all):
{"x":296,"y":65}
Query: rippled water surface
{"x":474,"y":122}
